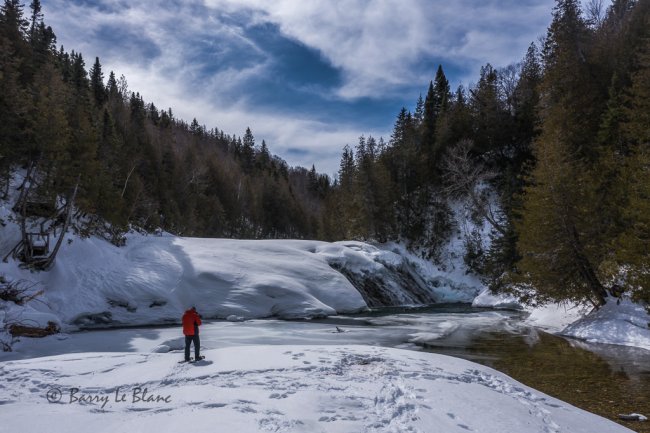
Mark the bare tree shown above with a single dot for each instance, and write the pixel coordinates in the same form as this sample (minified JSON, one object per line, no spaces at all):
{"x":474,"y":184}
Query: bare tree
{"x":595,"y":11}
{"x":507,"y":79}
{"x":465,"y":177}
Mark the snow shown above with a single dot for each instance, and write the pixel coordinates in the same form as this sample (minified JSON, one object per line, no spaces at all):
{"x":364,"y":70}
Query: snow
{"x":625,"y":323}
{"x":449,"y":281}
{"x":404,"y":330}
{"x":487,"y":299}
{"x":154,"y":279}
{"x":281,"y":389}
{"x":555,"y":317}
{"x":618,"y":322}
{"x":244,"y":384}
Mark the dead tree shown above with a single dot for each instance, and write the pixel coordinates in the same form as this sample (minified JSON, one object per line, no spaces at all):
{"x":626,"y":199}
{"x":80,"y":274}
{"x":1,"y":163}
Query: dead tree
{"x":464,"y":176}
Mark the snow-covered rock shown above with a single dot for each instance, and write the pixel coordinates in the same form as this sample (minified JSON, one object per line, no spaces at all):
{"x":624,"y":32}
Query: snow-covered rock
{"x":278,"y":388}
{"x":487,"y":299}
{"x":153,"y":279}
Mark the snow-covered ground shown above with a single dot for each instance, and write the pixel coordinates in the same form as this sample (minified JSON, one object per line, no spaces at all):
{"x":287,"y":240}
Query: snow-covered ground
{"x":245,"y":385}
{"x":279,"y":389}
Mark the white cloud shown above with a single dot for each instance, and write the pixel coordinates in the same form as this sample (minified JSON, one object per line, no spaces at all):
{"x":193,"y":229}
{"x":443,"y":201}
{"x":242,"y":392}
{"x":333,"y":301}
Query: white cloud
{"x":378,"y":45}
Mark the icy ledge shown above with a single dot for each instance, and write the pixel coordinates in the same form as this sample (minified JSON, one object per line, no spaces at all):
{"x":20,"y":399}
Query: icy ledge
{"x":281,"y":388}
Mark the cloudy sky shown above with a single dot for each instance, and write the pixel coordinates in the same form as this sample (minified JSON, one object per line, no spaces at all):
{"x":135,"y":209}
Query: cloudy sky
{"x":308,"y":76}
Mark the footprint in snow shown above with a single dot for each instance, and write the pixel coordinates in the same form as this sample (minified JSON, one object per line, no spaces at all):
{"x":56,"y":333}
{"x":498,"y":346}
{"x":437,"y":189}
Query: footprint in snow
{"x":214,"y":405}
{"x":163,"y":410}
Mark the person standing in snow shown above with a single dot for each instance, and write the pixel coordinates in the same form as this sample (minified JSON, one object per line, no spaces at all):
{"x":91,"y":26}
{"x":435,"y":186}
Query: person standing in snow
{"x":191,"y":323}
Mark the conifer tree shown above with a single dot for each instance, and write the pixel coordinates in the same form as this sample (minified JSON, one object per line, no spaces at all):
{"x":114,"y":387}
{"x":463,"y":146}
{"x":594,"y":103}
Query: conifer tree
{"x":97,"y":83}
{"x":264,"y":158}
{"x":435,"y":105}
{"x":36,"y":19}
{"x":248,"y":151}
{"x":633,"y":244}
{"x":12,"y":21}
{"x":561,"y":245}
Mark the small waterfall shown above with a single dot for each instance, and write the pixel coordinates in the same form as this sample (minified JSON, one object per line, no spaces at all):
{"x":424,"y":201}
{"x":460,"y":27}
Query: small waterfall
{"x":389,"y":286}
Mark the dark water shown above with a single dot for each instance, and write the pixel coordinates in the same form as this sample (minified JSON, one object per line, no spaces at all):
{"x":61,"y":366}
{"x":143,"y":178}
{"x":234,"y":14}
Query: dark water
{"x":604,"y":379}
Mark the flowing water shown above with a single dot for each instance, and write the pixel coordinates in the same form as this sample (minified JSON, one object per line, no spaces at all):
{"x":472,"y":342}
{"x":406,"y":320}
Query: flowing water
{"x":603,"y":379}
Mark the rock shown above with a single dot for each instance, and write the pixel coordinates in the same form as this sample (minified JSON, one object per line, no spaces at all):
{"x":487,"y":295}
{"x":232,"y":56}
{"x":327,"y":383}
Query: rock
{"x":33,"y":331}
{"x":632,"y":417}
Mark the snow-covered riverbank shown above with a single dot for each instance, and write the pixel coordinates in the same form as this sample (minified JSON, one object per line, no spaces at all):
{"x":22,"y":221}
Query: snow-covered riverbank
{"x":279,"y":388}
{"x":153,"y":279}
{"x":620,"y":322}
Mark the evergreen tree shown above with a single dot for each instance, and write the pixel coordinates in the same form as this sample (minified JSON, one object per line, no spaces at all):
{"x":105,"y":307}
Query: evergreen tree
{"x":559,"y":236}
{"x":36,"y":19}
{"x":12,"y":21}
{"x":633,"y":244}
{"x":569,"y":88}
{"x":264,"y":158}
{"x":97,"y":83}
{"x":248,"y":151}
{"x":436,"y":105}
{"x":14,"y":104}
{"x":419,"y":111}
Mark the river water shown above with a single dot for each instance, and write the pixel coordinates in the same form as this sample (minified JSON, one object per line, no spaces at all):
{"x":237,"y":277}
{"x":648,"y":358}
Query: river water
{"x":603,"y":379}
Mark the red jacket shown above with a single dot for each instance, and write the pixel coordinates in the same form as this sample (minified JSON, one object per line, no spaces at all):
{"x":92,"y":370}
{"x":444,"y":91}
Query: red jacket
{"x":191,"y":319}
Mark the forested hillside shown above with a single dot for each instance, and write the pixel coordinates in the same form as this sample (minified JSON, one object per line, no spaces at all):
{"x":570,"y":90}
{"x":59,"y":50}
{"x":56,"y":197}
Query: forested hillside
{"x":553,"y":152}
{"x":135,"y":164}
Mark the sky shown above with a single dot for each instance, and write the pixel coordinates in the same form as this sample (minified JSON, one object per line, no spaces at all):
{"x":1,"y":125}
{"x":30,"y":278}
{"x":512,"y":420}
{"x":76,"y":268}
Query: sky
{"x":307,"y":76}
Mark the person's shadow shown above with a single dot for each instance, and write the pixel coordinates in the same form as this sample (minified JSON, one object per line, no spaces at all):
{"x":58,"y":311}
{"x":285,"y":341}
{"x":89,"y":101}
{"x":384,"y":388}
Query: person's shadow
{"x":202,"y":363}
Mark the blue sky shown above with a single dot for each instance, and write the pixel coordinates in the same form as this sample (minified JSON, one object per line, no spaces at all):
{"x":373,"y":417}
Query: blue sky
{"x":308,"y":76}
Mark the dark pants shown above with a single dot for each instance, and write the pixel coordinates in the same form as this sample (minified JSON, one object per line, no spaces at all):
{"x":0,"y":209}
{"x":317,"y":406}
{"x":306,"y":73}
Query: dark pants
{"x":197,"y":346}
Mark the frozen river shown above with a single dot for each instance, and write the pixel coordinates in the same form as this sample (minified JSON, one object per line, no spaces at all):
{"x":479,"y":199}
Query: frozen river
{"x":603,"y":379}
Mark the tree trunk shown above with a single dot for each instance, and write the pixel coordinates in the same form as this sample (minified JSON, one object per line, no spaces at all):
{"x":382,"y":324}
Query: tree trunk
{"x":587,"y":270}
{"x":50,"y":260}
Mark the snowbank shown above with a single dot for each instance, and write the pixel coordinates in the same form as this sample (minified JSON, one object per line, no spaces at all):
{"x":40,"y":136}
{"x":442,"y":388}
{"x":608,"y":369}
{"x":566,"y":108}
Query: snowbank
{"x":625,"y":323}
{"x":153,"y":280}
{"x":279,"y":388}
